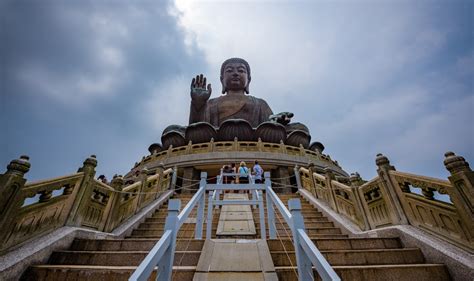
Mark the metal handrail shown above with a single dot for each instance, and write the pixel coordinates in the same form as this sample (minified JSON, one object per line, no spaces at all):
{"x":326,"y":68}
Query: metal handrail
{"x":162,"y":254}
{"x":307,"y":254}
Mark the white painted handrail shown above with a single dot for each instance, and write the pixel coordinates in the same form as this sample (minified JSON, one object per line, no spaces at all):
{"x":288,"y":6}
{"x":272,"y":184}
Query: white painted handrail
{"x":307,"y":254}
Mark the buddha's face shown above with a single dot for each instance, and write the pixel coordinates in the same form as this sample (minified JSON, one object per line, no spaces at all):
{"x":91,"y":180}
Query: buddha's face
{"x":235,"y":76}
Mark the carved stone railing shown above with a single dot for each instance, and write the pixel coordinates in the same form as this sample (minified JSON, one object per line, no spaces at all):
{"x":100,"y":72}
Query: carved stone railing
{"x":227,"y":146}
{"x":374,"y":203}
{"x":442,"y":208}
{"x":426,"y":210}
{"x":28,"y":210}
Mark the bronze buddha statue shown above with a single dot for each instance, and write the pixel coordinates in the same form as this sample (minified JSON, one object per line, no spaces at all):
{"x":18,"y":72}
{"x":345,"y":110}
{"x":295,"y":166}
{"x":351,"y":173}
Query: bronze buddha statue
{"x":234,"y":114}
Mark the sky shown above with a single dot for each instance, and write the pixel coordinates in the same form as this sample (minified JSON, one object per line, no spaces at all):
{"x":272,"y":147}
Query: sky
{"x":106,"y":77}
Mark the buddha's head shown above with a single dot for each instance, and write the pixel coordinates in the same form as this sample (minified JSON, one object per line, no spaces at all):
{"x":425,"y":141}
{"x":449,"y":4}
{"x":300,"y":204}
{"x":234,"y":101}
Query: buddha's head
{"x":235,"y":75}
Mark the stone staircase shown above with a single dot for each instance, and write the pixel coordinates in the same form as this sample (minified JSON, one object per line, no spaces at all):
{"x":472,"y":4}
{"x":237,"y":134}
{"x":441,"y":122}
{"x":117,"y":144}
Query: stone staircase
{"x":352,"y":258}
{"x":117,"y":259}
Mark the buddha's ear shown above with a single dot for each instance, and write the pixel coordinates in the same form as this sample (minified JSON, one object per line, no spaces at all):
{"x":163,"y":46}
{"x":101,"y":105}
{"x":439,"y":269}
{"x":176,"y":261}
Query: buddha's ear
{"x":223,"y":86}
{"x":247,"y":87}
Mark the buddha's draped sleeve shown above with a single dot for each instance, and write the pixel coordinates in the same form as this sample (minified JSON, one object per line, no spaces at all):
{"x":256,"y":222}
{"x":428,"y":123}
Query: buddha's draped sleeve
{"x":265,"y":111}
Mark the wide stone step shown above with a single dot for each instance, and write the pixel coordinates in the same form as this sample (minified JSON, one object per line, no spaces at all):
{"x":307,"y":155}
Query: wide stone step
{"x":183,"y":232}
{"x":103,"y":273}
{"x":131,"y":245}
{"x":357,"y":257}
{"x":116,"y":258}
{"x":339,"y":244}
{"x":310,"y":225}
{"x":417,"y":272}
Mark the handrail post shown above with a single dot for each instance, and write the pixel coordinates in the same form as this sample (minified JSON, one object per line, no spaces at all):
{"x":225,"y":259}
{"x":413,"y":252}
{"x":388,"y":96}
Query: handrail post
{"x":297,"y":176}
{"x":270,"y":211}
{"x":165,"y":266}
{"x":209,"y":216}
{"x":305,"y":271}
{"x":174,"y":178}
{"x":202,"y":201}
{"x":263,"y":227}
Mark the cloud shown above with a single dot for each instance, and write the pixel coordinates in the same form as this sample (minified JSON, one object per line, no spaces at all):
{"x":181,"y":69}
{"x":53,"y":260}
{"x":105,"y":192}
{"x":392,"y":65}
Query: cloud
{"x":107,"y":77}
{"x":365,"y":78}
{"x":76,"y":78}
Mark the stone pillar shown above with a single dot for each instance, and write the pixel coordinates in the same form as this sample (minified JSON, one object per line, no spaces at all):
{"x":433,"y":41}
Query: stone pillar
{"x":462,"y":193}
{"x":85,"y":192}
{"x":389,"y":190}
{"x":143,"y":180}
{"x":190,"y":180}
{"x":332,"y":196}
{"x":159,"y":170}
{"x":311,"y":170}
{"x":357,"y":181}
{"x":117,"y":184}
{"x":283,"y":179}
{"x":11,"y":184}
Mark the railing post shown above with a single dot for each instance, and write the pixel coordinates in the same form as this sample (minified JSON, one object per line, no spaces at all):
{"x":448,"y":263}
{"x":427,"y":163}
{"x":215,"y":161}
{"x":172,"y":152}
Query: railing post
{"x":305,"y":271}
{"x":117,"y":184}
{"x":160,"y":169}
{"x":209,"y":216}
{"x":200,"y":213}
{"x":219,"y":180}
{"x":174,"y":178}
{"x":165,"y":267}
{"x":270,"y":210}
{"x":297,"y":176}
{"x":356,"y":181}
{"x":263,"y":227}
{"x":84,"y":193}
{"x":332,"y":197}
{"x":462,"y":193}
{"x":11,"y":184}
{"x":311,"y":176}
{"x":390,"y":190}
{"x":143,"y":178}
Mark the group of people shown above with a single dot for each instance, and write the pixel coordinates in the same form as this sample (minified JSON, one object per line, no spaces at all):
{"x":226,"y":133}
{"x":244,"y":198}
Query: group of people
{"x":243,"y":173}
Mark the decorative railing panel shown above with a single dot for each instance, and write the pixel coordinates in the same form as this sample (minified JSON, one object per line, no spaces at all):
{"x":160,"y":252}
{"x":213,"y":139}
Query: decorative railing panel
{"x":34,"y":209}
{"x":95,"y":213}
{"x":374,"y":204}
{"x":320,"y":187}
{"x":226,"y":146}
{"x":346,"y":202}
{"x":429,"y":209}
{"x":39,"y":208}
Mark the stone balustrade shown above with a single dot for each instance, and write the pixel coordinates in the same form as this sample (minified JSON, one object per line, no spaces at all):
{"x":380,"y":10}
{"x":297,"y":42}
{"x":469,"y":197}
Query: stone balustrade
{"x":236,"y":145}
{"x":28,"y":210}
{"x":443,"y":208}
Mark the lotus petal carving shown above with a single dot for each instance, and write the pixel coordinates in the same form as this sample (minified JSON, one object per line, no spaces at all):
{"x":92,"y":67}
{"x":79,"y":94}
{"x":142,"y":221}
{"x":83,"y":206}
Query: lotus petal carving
{"x":297,"y":137}
{"x":200,"y":132}
{"x":236,"y":128}
{"x":271,"y":132}
{"x":317,"y":146}
{"x":173,"y":135}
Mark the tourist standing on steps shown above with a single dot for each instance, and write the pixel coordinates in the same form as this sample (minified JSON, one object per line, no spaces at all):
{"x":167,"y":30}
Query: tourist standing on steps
{"x":258,"y":172}
{"x":234,"y":170}
{"x":227,"y":170}
{"x":243,"y":173}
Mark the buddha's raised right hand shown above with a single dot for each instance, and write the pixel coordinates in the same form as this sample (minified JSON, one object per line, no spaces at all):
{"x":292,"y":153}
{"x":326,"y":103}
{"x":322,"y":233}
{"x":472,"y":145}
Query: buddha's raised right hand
{"x":199,"y":92}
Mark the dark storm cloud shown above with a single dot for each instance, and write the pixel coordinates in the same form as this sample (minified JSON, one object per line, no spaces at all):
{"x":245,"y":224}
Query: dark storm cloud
{"x":75,"y":76}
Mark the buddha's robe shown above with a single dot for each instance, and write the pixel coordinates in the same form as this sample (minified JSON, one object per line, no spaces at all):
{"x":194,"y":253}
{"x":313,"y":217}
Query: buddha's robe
{"x":216,"y":111}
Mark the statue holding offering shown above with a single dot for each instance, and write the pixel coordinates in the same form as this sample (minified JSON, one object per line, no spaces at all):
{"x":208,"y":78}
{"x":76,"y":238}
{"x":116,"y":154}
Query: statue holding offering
{"x":233,"y":114}
{"x":235,"y":103}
